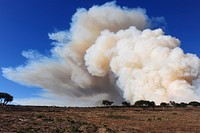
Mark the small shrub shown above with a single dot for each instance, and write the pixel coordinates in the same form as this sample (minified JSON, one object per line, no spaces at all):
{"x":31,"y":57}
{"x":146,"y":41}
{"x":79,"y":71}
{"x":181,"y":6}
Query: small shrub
{"x":59,"y":130}
{"x":156,"y":119}
{"x":40,"y":115}
{"x":175,"y":113}
{"x":28,"y":129}
{"x":74,"y":129}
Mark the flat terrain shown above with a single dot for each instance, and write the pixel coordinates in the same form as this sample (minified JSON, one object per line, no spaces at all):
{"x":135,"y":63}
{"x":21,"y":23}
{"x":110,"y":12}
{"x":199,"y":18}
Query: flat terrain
{"x":30,"y":119}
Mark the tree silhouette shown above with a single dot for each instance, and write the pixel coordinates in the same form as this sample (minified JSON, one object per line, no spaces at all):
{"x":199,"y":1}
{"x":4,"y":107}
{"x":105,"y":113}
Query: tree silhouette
{"x":182,"y":104}
{"x":164,"y":104}
{"x":126,"y":104}
{"x":5,"y":98}
{"x":107,"y":103}
{"x":194,"y":104}
{"x":145,"y":104}
{"x":172,"y":103}
{"x":152,"y":104}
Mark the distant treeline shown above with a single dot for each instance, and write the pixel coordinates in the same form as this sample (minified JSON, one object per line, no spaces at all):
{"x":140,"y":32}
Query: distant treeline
{"x":146,"y":103}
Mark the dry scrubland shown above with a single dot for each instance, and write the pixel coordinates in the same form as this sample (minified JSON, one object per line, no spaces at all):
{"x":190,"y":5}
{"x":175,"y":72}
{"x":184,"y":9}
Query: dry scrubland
{"x":30,"y":119}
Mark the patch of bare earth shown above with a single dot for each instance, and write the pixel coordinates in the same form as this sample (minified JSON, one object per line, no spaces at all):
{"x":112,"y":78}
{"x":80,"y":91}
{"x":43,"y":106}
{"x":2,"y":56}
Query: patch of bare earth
{"x":30,"y":119}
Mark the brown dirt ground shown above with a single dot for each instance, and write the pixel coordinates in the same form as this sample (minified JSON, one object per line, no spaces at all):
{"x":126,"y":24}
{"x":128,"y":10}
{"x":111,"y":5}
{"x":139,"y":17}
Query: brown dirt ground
{"x":31,"y":119}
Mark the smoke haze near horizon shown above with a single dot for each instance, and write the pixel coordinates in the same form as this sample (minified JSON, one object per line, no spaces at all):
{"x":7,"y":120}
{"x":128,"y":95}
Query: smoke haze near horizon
{"x":109,"y":53}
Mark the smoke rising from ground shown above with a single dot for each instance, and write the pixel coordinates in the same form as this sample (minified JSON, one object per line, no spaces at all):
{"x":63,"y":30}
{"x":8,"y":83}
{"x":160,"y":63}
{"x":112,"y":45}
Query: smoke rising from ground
{"x":109,"y":54}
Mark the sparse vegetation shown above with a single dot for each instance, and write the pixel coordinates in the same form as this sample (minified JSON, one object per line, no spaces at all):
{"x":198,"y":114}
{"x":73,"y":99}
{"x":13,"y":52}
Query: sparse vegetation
{"x":27,"y":119}
{"x":113,"y":116}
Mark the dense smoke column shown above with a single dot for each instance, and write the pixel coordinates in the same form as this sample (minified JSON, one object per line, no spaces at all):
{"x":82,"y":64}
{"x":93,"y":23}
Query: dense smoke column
{"x":108,"y":53}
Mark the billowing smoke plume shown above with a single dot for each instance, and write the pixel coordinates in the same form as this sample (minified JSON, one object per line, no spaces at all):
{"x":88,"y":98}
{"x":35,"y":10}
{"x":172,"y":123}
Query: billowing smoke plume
{"x":109,"y":53}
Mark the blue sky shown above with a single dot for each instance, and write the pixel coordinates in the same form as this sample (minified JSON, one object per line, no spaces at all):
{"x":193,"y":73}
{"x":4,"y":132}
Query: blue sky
{"x":25,"y":24}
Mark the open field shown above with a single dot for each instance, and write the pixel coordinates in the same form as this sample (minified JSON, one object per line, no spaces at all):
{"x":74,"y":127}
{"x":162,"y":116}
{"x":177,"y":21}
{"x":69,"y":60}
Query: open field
{"x":30,"y":119}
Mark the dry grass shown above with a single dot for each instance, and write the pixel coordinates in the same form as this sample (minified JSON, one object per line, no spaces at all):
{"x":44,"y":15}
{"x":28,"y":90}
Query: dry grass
{"x":27,"y":119}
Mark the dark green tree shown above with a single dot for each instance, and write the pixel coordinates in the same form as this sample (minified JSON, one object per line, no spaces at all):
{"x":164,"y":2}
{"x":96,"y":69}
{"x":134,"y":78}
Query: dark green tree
{"x":182,"y":104}
{"x":5,"y":98}
{"x":145,"y":104}
{"x":194,"y":104}
{"x":152,"y":104}
{"x":163,"y":104}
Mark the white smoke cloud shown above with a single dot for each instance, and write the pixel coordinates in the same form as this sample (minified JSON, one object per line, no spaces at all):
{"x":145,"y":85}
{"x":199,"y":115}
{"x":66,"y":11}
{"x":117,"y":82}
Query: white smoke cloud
{"x":107,"y":54}
{"x":148,"y":65}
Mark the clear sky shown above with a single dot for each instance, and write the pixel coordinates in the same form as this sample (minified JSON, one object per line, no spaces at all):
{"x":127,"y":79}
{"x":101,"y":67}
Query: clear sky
{"x":25,"y":24}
